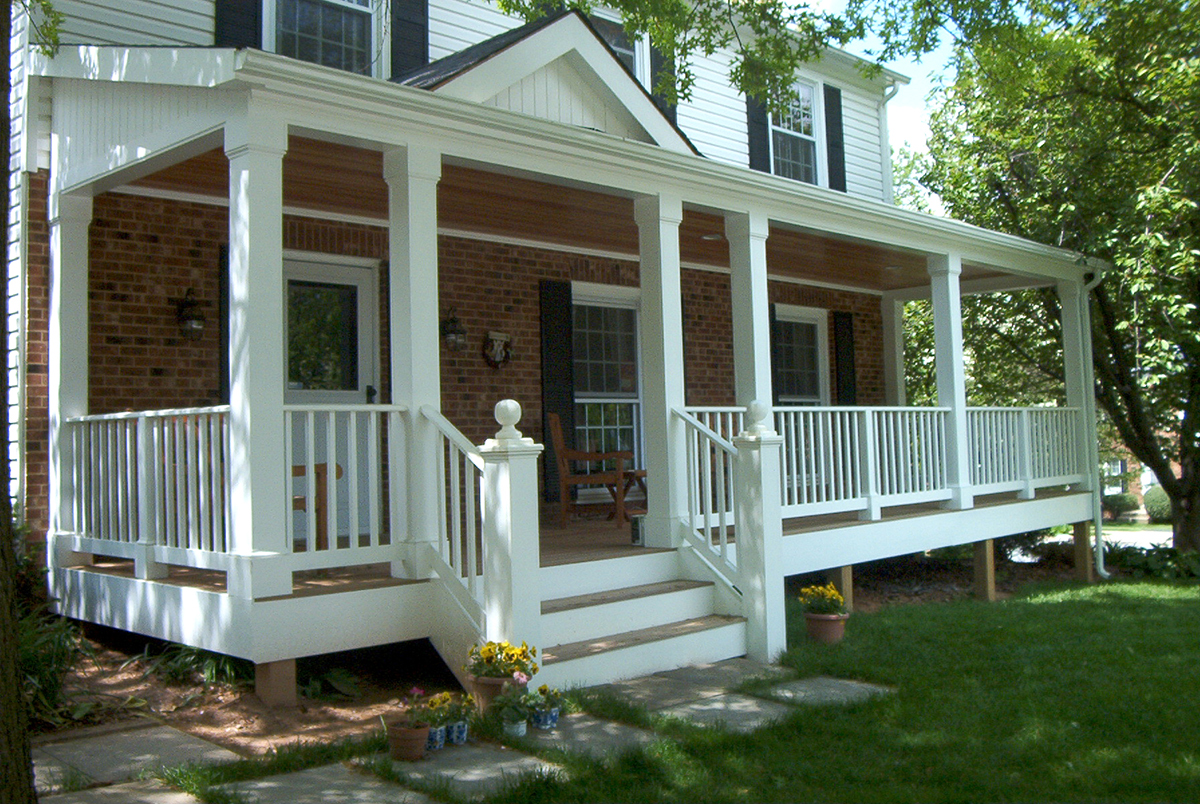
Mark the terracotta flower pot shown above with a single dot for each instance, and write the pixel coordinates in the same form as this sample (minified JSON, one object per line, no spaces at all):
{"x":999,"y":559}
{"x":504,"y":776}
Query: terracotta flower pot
{"x":486,"y":688}
{"x":827,"y":628}
{"x":406,"y":742}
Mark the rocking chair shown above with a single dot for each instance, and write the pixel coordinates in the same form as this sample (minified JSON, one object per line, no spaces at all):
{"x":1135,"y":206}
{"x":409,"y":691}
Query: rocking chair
{"x":615,"y":480}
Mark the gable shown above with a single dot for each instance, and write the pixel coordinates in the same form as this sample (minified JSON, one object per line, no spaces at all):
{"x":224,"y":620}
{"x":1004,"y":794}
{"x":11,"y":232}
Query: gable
{"x":558,"y":69}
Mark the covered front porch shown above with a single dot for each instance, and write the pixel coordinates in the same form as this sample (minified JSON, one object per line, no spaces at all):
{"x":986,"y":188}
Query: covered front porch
{"x":273,"y":485}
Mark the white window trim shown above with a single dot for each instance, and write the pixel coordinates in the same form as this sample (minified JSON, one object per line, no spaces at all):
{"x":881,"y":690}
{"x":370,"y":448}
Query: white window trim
{"x":381,"y":51}
{"x":641,"y":47}
{"x":822,"y":161}
{"x":820,"y":318}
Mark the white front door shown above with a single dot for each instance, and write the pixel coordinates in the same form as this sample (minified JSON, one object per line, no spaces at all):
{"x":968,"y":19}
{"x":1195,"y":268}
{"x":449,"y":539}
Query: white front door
{"x":331,"y":333}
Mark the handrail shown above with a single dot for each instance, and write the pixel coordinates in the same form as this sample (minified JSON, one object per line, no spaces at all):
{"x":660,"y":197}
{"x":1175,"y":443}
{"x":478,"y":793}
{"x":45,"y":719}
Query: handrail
{"x":128,"y":415}
{"x":705,"y":430}
{"x":451,"y":432}
{"x":361,"y":407}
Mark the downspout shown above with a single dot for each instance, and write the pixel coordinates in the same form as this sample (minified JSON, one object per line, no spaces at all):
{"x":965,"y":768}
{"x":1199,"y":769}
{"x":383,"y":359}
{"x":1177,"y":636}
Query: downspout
{"x":885,"y":147}
{"x":1094,"y":448}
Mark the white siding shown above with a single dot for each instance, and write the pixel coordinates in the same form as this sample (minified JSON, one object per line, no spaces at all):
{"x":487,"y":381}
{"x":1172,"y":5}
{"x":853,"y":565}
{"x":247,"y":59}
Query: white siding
{"x":458,"y":24}
{"x":14,"y":285}
{"x":864,"y":157}
{"x":558,"y":92}
{"x":715,"y":116}
{"x":137,"y":22}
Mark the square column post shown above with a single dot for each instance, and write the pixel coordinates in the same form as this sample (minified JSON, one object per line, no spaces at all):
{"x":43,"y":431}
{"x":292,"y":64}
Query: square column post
{"x":1077,"y":375}
{"x":412,"y":175}
{"x":758,"y":525}
{"x":70,"y":217}
{"x":892,"y":309}
{"x":511,"y":538}
{"x":747,"y":236}
{"x":944,"y":272}
{"x":658,"y":219}
{"x":255,"y":144}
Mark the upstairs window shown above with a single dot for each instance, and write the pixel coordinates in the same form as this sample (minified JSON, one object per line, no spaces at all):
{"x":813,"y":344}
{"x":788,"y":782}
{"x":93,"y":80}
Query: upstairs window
{"x":333,"y":33}
{"x":633,"y":53}
{"x":794,"y":138}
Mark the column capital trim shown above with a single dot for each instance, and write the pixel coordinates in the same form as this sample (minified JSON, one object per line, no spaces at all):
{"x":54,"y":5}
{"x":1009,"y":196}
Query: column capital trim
{"x":944,"y":265}
{"x":751,"y":225}
{"x":72,"y":207}
{"x":652,"y":210}
{"x":412,"y":162}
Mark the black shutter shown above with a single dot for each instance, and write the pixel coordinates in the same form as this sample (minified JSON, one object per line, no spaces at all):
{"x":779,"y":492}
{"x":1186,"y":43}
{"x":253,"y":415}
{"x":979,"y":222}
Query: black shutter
{"x":410,"y":35}
{"x":759,"y":134}
{"x":558,"y":374}
{"x":835,"y":139}
{"x":238,"y":23}
{"x":843,"y":356}
{"x":774,"y":357}
{"x":659,"y":64}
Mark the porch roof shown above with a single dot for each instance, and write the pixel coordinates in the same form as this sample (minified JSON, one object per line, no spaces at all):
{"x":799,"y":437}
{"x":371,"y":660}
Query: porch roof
{"x":355,"y":119}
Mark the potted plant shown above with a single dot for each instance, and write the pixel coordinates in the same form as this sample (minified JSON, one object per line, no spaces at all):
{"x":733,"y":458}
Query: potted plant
{"x":824,"y":613}
{"x":514,"y":706}
{"x":491,"y":665}
{"x":547,"y":703}
{"x":408,"y":734}
{"x":450,"y":712}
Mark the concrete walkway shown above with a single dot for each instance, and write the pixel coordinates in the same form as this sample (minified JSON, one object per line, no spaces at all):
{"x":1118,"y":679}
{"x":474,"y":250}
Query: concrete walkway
{"x":108,"y":764}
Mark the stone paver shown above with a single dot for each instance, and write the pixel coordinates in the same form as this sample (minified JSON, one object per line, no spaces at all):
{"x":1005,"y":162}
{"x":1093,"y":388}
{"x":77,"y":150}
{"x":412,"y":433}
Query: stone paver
{"x":121,"y":755}
{"x":129,"y":793}
{"x":475,"y":769}
{"x":585,"y":734}
{"x":657,"y":692}
{"x":740,"y":713}
{"x":825,"y":690}
{"x":724,"y":676}
{"x":331,"y":784}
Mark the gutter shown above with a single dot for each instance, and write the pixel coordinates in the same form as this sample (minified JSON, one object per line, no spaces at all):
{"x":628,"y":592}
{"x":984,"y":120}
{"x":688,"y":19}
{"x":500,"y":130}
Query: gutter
{"x":1097,"y":509}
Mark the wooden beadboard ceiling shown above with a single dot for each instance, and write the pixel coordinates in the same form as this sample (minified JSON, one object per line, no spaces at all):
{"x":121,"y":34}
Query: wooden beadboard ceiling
{"x":342,"y":179}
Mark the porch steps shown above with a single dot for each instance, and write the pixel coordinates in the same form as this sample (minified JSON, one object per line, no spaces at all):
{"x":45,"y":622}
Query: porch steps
{"x":567,"y":580}
{"x":710,"y":638}
{"x":582,"y":617}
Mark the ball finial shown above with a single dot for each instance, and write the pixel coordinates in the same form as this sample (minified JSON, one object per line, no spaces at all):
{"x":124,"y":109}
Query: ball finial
{"x":508,"y":413}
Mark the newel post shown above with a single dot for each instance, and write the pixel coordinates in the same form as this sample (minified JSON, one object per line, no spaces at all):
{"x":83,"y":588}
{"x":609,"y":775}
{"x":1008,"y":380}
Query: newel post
{"x":758,"y":526}
{"x":511,"y":559}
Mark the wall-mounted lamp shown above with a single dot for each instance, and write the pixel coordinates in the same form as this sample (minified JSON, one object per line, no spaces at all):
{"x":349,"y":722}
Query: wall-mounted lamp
{"x":453,"y":332}
{"x":189,"y":317}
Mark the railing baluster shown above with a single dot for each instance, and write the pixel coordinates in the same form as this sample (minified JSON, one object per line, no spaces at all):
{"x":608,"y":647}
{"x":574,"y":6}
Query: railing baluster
{"x":353,"y":459}
{"x":331,"y":484}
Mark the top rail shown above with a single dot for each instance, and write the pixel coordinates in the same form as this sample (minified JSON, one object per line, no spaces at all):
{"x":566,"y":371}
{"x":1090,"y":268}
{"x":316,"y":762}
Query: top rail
{"x":453,"y":435}
{"x":712,"y":435}
{"x":129,"y":415}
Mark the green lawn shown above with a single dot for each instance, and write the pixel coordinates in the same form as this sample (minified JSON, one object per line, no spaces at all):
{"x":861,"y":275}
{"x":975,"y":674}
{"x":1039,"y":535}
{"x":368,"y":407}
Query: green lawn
{"x":1063,"y":694}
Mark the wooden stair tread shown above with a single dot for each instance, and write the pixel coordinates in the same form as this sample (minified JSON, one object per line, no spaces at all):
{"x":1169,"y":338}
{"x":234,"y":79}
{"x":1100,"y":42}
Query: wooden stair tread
{"x":616,"y":595}
{"x":592,"y":647}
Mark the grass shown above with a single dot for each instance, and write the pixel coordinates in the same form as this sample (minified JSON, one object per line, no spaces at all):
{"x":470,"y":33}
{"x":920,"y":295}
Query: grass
{"x":1063,"y":694}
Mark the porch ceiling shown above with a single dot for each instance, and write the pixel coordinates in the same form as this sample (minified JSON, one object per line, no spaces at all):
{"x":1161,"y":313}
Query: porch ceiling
{"x":346,"y":180}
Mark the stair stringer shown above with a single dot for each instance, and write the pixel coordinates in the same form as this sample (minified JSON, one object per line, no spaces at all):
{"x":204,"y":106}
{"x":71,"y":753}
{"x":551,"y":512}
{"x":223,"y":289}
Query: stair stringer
{"x":452,"y":632}
{"x":727,"y":599}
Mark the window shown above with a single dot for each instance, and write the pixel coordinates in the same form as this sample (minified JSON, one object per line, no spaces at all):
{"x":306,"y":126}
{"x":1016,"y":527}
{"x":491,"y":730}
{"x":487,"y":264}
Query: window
{"x":334,"y":33}
{"x":801,"y":360}
{"x":634,"y":54}
{"x":607,"y":391}
{"x":794,"y":138}
{"x":1115,"y":471}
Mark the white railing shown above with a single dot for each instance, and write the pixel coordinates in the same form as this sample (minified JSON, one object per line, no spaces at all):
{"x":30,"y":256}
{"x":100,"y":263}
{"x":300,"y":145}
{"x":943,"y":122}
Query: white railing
{"x":346,"y":500}
{"x":711,"y":503}
{"x":911,"y":445}
{"x":1021,"y":449}
{"x":459,"y":487}
{"x":154,"y":477}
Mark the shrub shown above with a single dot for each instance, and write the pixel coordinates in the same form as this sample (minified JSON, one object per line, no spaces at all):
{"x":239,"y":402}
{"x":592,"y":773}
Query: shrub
{"x":1116,"y":504}
{"x":1153,"y":562}
{"x":1158,"y":504}
{"x":1007,"y":547}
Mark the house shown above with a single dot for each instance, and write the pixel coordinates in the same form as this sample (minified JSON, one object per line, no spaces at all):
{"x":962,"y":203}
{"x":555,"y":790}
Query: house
{"x":240,"y":274}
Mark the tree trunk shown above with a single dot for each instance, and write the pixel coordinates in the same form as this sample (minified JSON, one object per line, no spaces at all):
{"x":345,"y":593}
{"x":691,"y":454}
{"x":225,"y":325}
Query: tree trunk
{"x":1185,"y":522}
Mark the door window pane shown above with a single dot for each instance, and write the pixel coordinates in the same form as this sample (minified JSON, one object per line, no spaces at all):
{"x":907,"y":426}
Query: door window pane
{"x":322,"y":336}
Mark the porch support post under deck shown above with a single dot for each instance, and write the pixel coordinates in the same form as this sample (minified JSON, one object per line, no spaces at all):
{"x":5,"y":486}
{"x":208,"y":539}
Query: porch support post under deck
{"x":412,"y":175}
{"x":658,"y":218}
{"x":255,"y":144}
{"x":70,"y":217}
{"x":944,"y":272}
{"x":747,"y":236}
{"x":758,"y":526}
{"x":892,"y":309}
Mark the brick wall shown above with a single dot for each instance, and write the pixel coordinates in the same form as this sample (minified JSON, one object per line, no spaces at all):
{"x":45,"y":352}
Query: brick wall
{"x":37,"y":323}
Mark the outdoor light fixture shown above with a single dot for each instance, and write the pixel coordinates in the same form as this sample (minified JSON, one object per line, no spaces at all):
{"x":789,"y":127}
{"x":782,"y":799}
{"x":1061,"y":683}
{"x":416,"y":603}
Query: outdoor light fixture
{"x":453,"y":332}
{"x":189,"y":317}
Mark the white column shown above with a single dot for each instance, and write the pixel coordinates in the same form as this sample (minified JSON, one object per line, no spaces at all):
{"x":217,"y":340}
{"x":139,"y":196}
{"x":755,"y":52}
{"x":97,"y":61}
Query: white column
{"x":944,"y":272}
{"x":758,"y":524}
{"x":412,"y":176}
{"x":67,"y":374}
{"x":511,"y":538}
{"x":255,"y":144}
{"x":1077,"y":375}
{"x":892,"y":310}
{"x":747,"y":236}
{"x":658,"y":219}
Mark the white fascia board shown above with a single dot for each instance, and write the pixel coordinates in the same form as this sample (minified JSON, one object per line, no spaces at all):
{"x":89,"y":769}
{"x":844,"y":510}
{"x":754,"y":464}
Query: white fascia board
{"x":366,"y":109}
{"x":171,"y":66}
{"x":569,"y":38}
{"x":858,"y":64}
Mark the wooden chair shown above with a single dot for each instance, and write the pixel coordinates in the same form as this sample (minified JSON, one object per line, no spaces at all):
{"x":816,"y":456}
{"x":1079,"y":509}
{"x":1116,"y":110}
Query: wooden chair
{"x":321,"y":504}
{"x":615,"y":480}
